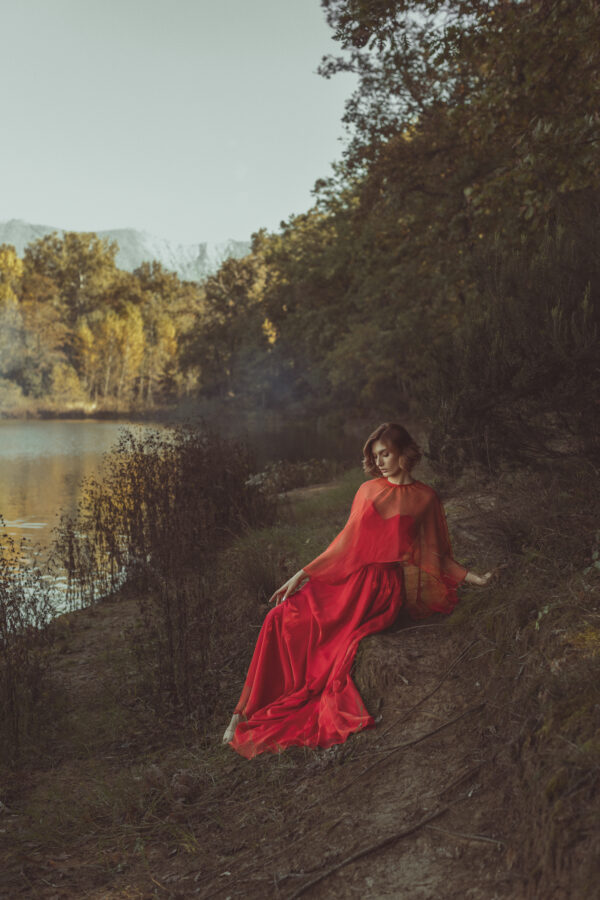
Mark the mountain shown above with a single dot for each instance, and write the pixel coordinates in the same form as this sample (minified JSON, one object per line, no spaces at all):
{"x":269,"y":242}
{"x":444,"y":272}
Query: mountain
{"x":192,"y":262}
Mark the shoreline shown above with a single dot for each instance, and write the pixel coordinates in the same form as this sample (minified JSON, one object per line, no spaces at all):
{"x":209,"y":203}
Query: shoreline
{"x":131,"y":801}
{"x":81,"y":414}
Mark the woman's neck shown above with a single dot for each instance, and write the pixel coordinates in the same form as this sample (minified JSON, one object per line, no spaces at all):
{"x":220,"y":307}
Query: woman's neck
{"x":400,"y":478}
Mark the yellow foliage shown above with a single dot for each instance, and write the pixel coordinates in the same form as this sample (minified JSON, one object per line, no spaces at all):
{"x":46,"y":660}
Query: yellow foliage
{"x":269,"y":331}
{"x":66,"y":385}
{"x":11,"y":272}
{"x":257,"y":288}
{"x":11,"y":267}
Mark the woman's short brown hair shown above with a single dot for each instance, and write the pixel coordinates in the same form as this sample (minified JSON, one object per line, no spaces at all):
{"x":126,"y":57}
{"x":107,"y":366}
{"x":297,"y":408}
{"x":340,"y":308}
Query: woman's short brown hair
{"x":395,"y":436}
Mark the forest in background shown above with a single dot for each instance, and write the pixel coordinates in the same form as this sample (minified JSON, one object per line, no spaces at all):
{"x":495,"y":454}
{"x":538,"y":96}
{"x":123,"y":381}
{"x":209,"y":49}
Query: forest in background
{"x":449,"y":266}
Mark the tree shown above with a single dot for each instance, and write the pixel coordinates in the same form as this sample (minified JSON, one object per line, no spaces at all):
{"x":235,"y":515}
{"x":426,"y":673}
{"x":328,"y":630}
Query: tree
{"x":11,"y":321}
{"x":110,"y":352}
{"x":11,"y":274}
{"x":228,"y":335}
{"x":81,"y":265}
{"x":474,"y":142}
{"x":498,"y":98}
{"x":169,"y":308}
{"x":47,"y":339}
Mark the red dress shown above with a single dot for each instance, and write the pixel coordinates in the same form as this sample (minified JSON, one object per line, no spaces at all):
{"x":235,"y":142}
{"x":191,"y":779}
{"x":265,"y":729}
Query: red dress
{"x":393,"y":552}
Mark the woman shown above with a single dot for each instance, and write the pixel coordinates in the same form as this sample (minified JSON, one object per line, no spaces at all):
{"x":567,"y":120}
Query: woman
{"x":394,"y":552}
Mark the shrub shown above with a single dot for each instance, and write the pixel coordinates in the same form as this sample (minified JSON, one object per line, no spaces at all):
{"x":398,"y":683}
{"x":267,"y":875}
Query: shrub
{"x":166,"y":502}
{"x":165,"y":499}
{"x":281,"y":475}
{"x":26,"y":609}
{"x":518,"y":380}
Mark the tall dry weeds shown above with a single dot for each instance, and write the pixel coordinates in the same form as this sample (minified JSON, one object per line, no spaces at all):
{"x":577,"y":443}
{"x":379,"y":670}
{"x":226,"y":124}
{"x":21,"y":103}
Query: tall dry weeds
{"x":26,"y":610}
{"x":166,"y":502}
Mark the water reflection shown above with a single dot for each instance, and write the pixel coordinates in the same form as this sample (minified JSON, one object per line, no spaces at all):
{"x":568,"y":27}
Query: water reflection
{"x":42,"y":466}
{"x":44,"y":463}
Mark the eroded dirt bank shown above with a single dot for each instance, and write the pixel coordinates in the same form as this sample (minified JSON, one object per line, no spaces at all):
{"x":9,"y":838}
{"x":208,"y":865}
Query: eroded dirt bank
{"x":419,"y":807}
{"x":203,"y":822}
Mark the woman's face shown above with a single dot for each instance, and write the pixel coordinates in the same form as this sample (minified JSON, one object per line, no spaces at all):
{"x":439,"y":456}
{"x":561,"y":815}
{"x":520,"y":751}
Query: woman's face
{"x":387,"y":459}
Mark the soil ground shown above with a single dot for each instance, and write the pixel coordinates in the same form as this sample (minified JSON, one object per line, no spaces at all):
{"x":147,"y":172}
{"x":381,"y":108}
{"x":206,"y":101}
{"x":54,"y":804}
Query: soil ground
{"x":414,"y":808}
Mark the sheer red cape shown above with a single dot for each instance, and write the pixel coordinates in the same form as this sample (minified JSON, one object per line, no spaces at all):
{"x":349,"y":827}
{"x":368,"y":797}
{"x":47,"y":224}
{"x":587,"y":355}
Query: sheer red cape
{"x":394,"y":551}
{"x":397,"y":523}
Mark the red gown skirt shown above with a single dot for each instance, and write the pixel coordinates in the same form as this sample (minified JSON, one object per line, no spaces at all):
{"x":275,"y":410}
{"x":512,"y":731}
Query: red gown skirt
{"x":298,"y":690}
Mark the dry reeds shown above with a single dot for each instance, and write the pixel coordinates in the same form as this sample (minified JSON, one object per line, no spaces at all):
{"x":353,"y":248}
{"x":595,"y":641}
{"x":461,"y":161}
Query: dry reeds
{"x":166,"y":502}
{"x":166,"y":498}
{"x":26,"y":608}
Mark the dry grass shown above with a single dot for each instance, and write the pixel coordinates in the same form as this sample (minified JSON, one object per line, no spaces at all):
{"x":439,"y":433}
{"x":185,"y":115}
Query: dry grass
{"x":26,"y":609}
{"x":539,"y":632}
{"x":125,"y":791}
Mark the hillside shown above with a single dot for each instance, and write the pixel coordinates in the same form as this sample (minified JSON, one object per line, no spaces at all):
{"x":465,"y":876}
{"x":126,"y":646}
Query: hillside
{"x":451,"y":796}
{"x":123,"y":811}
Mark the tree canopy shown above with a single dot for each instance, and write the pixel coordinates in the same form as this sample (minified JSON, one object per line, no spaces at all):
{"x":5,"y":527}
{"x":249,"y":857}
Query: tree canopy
{"x":449,"y":263}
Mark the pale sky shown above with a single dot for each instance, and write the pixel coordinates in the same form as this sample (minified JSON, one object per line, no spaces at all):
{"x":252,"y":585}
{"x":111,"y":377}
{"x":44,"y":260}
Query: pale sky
{"x":195,"y":120}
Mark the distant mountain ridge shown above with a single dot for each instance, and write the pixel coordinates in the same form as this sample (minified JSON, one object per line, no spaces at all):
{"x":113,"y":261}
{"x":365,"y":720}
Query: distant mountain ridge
{"x":192,"y":262}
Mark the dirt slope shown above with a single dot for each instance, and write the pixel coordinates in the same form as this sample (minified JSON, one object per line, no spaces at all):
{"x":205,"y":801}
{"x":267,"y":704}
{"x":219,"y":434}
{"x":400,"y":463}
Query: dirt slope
{"x":415,"y":808}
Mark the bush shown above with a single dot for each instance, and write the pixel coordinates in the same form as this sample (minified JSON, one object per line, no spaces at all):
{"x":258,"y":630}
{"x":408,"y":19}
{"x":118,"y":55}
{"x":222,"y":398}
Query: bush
{"x":11,"y":396}
{"x":166,"y":502}
{"x":66,"y":386}
{"x":281,"y":475}
{"x":165,"y":499}
{"x":26,"y":609}
{"x":518,"y":381}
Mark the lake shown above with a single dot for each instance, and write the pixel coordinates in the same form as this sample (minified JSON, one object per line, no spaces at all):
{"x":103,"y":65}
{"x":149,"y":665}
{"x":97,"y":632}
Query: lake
{"x":43,"y":463}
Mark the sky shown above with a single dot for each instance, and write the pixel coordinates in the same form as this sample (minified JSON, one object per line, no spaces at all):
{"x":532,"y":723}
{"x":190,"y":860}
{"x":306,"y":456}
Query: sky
{"x":194,"y":120}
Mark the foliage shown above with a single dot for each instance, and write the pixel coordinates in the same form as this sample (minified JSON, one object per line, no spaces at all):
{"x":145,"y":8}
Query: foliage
{"x":232,"y":332}
{"x":26,"y":608}
{"x":166,"y":501}
{"x":78,"y":331}
{"x":519,"y":381}
{"x":497,"y":98}
{"x":448,"y":265}
{"x":282,"y":475}
{"x":449,"y":261}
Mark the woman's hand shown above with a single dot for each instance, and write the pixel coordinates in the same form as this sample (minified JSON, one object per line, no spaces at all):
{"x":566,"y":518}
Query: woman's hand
{"x":291,"y":585}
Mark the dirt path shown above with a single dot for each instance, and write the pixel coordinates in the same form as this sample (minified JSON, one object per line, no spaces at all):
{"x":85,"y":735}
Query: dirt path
{"x":430,"y":760}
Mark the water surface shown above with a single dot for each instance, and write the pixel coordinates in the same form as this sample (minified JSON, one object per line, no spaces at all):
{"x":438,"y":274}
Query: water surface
{"x":42,"y":467}
{"x":43,"y":463}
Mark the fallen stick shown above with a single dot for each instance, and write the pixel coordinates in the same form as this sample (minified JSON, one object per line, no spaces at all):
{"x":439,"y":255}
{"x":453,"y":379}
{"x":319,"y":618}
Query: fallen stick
{"x":462,"y":777}
{"x":405,"y":715}
{"x":390,"y":751}
{"x":271,"y":859}
{"x":420,"y":627}
{"x":469,"y":837}
{"x":370,"y":849}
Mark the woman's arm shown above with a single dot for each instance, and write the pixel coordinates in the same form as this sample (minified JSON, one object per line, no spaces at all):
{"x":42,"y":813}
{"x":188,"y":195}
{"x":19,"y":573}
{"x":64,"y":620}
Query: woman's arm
{"x":437,"y":538}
